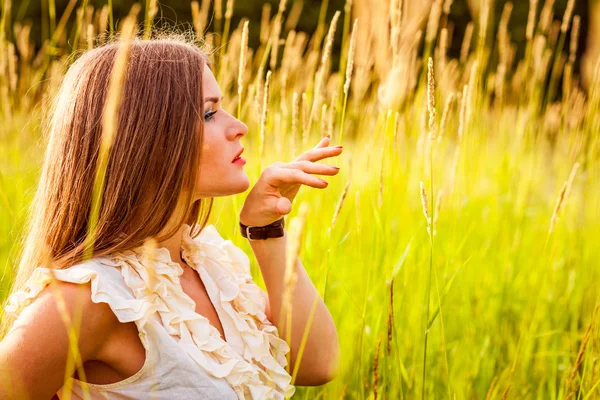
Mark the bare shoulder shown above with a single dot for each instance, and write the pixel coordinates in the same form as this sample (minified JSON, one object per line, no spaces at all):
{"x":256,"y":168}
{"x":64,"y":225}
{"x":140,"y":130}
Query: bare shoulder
{"x":35,"y":354}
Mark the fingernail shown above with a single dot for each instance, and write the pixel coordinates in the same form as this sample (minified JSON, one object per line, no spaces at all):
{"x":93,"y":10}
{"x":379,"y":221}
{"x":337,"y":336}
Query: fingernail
{"x":338,"y":147}
{"x":324,"y":181}
{"x":333,"y":166}
{"x":328,"y":136}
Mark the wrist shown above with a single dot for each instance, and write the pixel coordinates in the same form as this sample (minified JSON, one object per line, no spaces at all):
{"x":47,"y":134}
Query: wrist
{"x":275,"y":229}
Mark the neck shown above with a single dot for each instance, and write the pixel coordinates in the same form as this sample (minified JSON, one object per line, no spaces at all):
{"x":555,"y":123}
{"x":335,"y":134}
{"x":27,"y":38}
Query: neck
{"x":173,"y":244}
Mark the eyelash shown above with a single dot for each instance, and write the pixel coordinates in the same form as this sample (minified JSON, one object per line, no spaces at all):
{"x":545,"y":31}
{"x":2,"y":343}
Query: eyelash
{"x":208,"y":115}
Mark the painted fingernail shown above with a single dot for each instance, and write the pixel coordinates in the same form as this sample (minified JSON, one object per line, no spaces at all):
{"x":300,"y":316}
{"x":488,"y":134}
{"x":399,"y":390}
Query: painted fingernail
{"x":324,"y":181}
{"x":336,"y":167}
{"x":338,"y":147}
{"x":328,"y":136}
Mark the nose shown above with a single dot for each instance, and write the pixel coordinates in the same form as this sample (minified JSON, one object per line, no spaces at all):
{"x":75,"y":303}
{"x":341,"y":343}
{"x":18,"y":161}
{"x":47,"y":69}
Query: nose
{"x":237,"y":128}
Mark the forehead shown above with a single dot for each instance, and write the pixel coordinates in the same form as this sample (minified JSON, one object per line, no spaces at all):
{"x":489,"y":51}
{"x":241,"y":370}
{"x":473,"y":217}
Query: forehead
{"x":209,"y":83}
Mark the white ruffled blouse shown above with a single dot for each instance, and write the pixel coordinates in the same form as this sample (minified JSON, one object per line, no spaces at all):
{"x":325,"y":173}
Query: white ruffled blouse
{"x":186,"y":358}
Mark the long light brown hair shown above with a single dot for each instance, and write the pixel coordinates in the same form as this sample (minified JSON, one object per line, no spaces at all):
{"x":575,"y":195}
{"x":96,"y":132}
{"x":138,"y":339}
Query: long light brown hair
{"x":152,"y":166}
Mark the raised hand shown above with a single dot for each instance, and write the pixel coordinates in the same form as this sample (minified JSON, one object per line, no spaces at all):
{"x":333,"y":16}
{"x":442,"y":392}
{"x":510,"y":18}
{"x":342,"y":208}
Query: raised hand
{"x":279,"y":183}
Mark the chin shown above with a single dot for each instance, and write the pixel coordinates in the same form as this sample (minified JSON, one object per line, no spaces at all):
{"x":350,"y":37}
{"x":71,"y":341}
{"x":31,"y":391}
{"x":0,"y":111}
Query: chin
{"x":245,"y":184}
{"x":240,"y":186}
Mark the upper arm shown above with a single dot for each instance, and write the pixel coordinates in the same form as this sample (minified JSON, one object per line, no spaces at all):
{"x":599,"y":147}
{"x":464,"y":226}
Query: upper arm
{"x":35,"y":354}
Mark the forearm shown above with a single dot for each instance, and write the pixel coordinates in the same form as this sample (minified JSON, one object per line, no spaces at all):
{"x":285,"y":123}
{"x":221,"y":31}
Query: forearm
{"x":320,"y":358}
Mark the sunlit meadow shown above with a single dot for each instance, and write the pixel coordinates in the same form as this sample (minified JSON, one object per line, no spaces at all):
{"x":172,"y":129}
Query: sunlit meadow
{"x":457,"y":248}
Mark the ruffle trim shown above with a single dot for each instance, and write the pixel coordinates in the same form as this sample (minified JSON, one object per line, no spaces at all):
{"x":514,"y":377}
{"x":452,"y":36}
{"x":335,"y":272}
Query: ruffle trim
{"x":257,"y":373}
{"x":229,"y":268}
{"x":125,"y":308}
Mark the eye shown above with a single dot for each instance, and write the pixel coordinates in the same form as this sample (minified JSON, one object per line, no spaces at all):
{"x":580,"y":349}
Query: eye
{"x":208,"y":115}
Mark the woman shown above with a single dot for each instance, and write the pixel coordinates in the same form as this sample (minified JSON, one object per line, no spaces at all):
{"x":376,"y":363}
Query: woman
{"x":182,"y":321}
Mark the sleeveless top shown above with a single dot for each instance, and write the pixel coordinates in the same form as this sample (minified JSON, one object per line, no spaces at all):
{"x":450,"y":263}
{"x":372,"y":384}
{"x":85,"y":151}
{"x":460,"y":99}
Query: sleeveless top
{"x":186,"y":358}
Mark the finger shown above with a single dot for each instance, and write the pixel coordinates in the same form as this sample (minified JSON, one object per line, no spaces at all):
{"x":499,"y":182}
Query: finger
{"x":320,"y":153}
{"x":284,"y":206}
{"x":290,"y":175}
{"x":324,"y":142}
{"x":312,"y":168}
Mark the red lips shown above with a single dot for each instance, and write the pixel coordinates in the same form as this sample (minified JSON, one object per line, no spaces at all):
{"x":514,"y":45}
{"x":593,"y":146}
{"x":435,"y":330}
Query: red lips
{"x":238,"y":154}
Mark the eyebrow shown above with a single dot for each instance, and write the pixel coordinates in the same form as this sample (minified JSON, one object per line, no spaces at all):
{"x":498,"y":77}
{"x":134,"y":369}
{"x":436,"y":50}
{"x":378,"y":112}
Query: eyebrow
{"x":212,"y":99}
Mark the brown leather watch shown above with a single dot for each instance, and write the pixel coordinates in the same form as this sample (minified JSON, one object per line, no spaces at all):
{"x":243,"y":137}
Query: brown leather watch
{"x":273,"y":230}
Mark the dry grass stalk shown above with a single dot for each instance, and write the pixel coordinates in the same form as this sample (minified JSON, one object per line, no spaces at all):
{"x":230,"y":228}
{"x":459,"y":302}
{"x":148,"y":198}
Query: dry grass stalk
{"x":323,"y":65}
{"x":434,"y":21}
{"x":90,"y":36}
{"x":445,"y":114}
{"x":243,"y":49}
{"x":571,"y":178}
{"x":531,"y":19}
{"x":431,"y":98}
{"x":304,"y":118}
{"x":505,"y":394}
{"x":562,"y":197}
{"x":258,"y":92}
{"x":466,"y":43}
{"x":277,"y":25}
{"x":463,"y":112}
{"x":557,"y":207}
{"x":294,"y":16}
{"x":503,"y":35}
{"x":390,"y":321}
{"x":332,"y":114}
{"x":499,"y":83}
{"x":488,"y":396}
{"x":287,"y":59}
{"x":574,"y":38}
{"x":376,"y":369}
{"x":103,"y":20}
{"x":484,"y":16}
{"x":396,"y":23}
{"x":74,"y":360}
{"x":323,"y":120}
{"x":454,"y":169}
{"x":218,"y":9}
{"x":586,"y":337}
{"x":567,"y":81}
{"x":425,"y":205}
{"x":264,"y":23}
{"x":264,"y":115}
{"x":546,"y":16}
{"x":340,"y":203}
{"x":196,"y":19}
{"x":229,"y":9}
{"x":204,"y":9}
{"x":471,"y":98}
{"x":443,"y":49}
{"x":110,"y":119}
{"x":564,"y":27}
{"x":151,"y":10}
{"x":295,"y":118}
{"x":382,"y":169}
{"x":350,"y":62}
{"x":13,"y":78}
{"x":448,"y":6}
{"x":438,"y":202}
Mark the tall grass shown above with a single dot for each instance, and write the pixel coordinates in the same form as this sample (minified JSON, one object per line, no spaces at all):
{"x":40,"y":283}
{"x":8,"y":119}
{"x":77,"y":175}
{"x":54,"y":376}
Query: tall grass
{"x":513,"y":153}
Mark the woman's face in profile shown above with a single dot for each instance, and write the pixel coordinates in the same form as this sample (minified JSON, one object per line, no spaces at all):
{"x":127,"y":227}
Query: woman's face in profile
{"x":218,"y":176}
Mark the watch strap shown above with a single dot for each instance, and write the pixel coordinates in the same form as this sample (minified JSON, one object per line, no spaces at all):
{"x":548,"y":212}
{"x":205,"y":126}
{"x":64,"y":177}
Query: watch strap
{"x":273,"y":230}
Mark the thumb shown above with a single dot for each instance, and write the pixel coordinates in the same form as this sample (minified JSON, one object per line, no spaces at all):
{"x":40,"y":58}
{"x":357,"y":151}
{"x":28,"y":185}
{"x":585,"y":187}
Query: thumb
{"x":284,"y":206}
